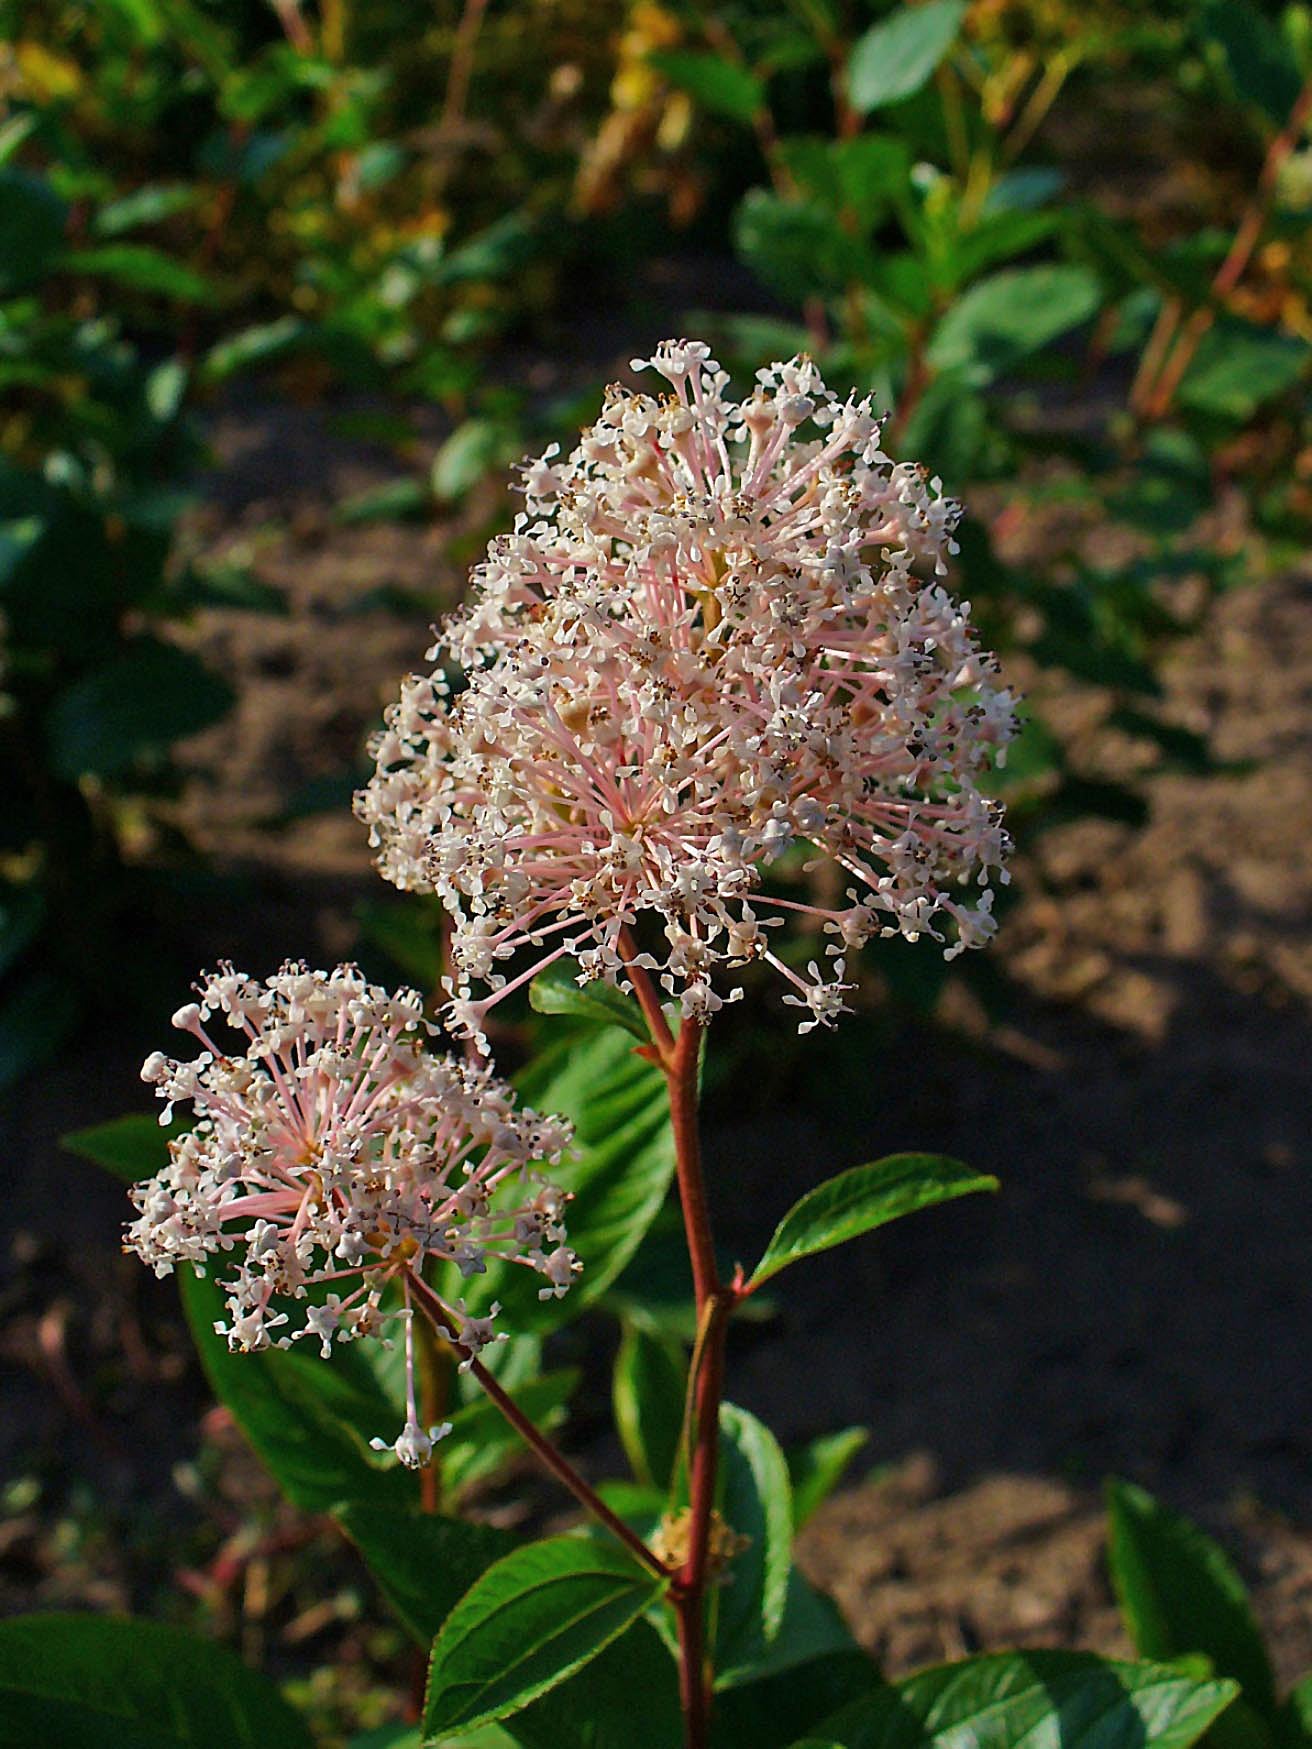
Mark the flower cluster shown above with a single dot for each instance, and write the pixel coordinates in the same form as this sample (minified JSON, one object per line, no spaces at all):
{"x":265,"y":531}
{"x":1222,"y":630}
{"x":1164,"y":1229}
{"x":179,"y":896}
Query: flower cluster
{"x":331,"y":1151}
{"x":717,"y":632}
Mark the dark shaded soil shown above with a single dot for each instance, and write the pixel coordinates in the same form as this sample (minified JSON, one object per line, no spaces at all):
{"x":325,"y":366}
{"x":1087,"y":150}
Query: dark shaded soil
{"x":1136,"y":1301}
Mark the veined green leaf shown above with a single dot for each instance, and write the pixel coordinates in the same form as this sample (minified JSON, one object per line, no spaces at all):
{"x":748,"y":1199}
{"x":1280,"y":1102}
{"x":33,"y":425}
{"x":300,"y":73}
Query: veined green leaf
{"x":620,"y":1170}
{"x":1179,"y":1593}
{"x":756,"y":1503}
{"x":816,"y":1469}
{"x":714,"y":83}
{"x":648,"y":1397}
{"x":131,"y":1147}
{"x":424,"y":1563}
{"x":862,"y":1199}
{"x":556,"y":991}
{"x":1006,"y":317}
{"x":88,"y":1681}
{"x":309,"y":1420}
{"x":528,"y":1623}
{"x":625,"y":1698}
{"x":1040,"y":1699}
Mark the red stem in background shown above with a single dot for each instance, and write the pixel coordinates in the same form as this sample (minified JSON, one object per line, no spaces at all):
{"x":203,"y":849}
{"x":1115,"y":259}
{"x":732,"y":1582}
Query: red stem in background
{"x":1158,"y":396}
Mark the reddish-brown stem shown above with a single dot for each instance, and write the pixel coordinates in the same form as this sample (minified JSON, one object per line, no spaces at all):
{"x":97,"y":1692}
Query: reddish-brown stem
{"x":462,"y":66}
{"x":713,"y":1306}
{"x":542,"y":1448}
{"x":648,"y":1000}
{"x":1160,"y":394}
{"x":690,"y":1591}
{"x":682,"y":1077}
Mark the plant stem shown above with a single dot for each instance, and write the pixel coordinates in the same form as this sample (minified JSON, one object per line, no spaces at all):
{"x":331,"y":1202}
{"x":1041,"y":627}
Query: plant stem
{"x":695,"y":1674}
{"x":714,"y":1302}
{"x":546,"y":1453}
{"x":662,"y":1039}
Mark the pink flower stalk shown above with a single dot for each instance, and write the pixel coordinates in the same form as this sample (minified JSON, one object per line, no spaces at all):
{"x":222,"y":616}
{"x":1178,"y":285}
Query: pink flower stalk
{"x":331,"y":1151}
{"x":716,"y":633}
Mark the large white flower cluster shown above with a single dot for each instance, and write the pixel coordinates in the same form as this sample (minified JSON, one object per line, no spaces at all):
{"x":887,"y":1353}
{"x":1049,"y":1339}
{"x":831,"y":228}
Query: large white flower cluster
{"x":718,"y":631}
{"x":331,"y":1150}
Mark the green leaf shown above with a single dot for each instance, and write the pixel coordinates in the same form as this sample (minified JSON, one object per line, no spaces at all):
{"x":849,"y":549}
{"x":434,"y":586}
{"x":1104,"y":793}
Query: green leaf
{"x":309,"y":1420}
{"x":899,"y":54}
{"x":1261,"y":68}
{"x":1238,"y":368}
{"x":557,"y":991}
{"x":165,"y":387}
{"x":774,"y":1708}
{"x":859,"y":1200}
{"x":1004,"y":1699}
{"x":222,"y":584}
{"x":1000,"y":238}
{"x":713,"y":83}
{"x":816,"y":1469}
{"x":648,"y":1396}
{"x":756,"y":1503}
{"x":85,"y":1682}
{"x":796,"y":248}
{"x":502,"y":248}
{"x":1294,"y":1720}
{"x":131,"y":1147}
{"x":619,"y":1173}
{"x":473,"y":450}
{"x":132,"y":708}
{"x":401,"y":1736}
{"x":952,"y":425}
{"x":529,"y":1622}
{"x":144,"y":206}
{"x":14,"y":133}
{"x":1009,"y":315}
{"x":626,"y":1698}
{"x":392,"y":501}
{"x":409,"y":932}
{"x":811,"y":1629}
{"x":140,"y":268}
{"x":860,"y":176}
{"x":253,"y":346}
{"x":32,"y":220}
{"x":423,"y":1563}
{"x":1179,"y":1593}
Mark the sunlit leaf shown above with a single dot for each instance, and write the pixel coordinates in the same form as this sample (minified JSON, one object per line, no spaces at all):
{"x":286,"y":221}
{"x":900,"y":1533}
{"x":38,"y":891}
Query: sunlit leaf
{"x":863,"y":1198}
{"x":1180,"y":1594}
{"x":528,"y":1623}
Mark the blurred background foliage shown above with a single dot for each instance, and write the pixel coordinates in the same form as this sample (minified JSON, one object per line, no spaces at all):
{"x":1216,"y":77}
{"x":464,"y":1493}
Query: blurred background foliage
{"x":1066,"y":246}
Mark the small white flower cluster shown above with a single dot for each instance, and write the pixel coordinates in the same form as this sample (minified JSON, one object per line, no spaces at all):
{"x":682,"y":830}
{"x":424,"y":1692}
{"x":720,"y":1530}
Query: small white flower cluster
{"x":716,"y":632}
{"x":332,"y":1150}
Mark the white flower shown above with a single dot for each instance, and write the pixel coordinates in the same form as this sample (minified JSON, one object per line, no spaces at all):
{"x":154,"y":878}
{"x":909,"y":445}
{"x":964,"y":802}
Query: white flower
{"x":413,"y":1445}
{"x":331,"y":1150}
{"x":715,"y":633}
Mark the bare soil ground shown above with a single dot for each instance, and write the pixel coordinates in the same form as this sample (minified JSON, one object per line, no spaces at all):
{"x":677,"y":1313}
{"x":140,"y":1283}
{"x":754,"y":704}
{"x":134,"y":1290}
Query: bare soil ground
{"x":1136,"y":1301}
